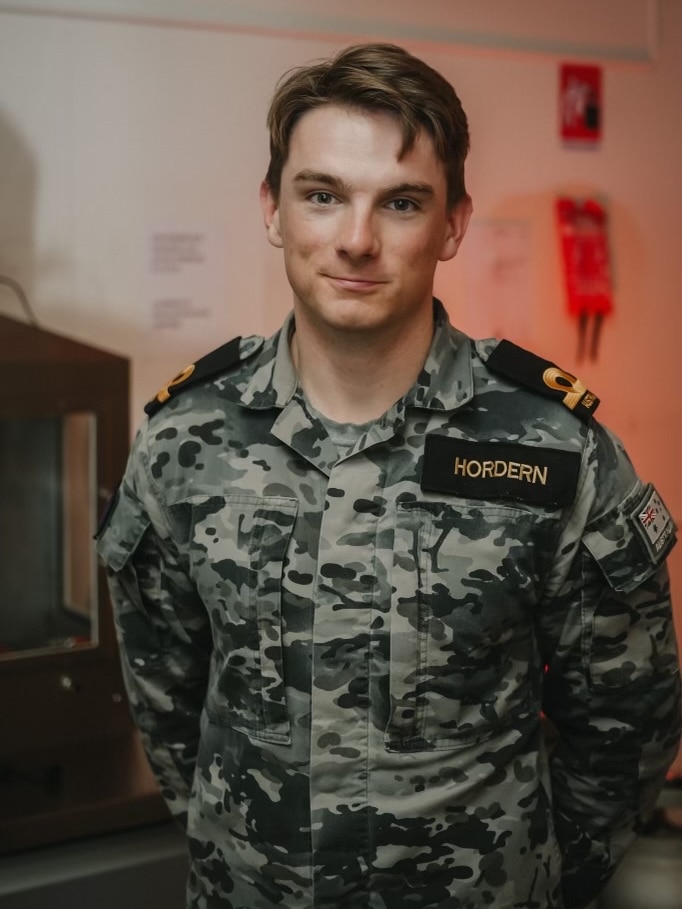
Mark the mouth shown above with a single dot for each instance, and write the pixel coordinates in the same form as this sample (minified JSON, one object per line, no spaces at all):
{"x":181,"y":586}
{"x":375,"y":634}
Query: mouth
{"x":355,"y":283}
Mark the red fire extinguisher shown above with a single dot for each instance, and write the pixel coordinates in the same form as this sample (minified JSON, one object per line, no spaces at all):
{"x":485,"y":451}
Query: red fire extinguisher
{"x":585,"y":251}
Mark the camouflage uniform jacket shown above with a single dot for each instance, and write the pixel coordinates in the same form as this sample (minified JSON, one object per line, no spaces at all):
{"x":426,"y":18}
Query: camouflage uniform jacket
{"x":338,"y":664}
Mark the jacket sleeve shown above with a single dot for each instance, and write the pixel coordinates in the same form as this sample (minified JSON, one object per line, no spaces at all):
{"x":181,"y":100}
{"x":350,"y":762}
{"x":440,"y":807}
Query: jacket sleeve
{"x":612,"y":686}
{"x":163,"y":633}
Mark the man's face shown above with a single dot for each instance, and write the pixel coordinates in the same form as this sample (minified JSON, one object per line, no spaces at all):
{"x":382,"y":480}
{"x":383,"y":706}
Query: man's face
{"x":362,"y":232}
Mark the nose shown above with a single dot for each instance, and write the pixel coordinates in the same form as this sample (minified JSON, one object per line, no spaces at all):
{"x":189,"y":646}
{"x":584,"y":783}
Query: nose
{"x":358,"y":236}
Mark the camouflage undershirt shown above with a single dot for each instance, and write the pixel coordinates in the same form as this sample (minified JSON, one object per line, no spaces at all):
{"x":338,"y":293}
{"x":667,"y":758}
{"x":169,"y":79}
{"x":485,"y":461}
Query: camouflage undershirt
{"x":343,"y":435}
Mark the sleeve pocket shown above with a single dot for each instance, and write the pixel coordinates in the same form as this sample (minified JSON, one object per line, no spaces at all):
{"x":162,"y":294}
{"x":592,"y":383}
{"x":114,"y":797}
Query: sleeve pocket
{"x":623,"y":543}
{"x":125,"y":527}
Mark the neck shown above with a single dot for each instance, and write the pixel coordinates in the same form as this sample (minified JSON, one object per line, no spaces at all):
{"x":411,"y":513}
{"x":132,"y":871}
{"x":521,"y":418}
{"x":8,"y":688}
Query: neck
{"x":352,"y":378}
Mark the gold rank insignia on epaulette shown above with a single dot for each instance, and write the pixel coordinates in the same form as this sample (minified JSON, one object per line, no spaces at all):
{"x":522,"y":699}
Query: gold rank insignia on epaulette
{"x":531,"y":371}
{"x":217,"y":361}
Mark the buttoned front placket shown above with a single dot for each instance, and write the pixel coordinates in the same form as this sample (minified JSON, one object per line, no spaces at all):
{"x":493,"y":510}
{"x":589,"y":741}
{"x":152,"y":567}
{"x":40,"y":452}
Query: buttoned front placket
{"x":350,"y":597}
{"x":351,"y":603}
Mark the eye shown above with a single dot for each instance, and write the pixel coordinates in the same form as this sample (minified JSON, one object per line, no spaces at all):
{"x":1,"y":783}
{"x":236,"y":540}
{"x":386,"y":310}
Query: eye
{"x":320,"y":197}
{"x":403,"y":205}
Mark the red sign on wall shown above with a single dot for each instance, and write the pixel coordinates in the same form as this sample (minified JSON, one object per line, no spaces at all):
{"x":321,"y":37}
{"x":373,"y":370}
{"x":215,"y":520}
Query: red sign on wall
{"x":580,"y":103}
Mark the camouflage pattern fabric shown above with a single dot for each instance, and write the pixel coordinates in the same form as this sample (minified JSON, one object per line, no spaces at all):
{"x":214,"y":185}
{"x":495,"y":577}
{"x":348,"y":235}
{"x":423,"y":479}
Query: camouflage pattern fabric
{"x":339,"y":675}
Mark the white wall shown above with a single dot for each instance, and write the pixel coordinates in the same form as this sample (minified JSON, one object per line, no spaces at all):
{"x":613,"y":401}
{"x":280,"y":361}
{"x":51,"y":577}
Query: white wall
{"x":111,"y":130}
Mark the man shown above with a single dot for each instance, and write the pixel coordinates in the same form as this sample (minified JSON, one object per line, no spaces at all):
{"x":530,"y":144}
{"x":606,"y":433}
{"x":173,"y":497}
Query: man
{"x":354,"y":563}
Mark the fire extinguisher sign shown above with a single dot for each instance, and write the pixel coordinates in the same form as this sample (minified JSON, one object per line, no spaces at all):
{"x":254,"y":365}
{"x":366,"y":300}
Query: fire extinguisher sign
{"x":580,"y":103}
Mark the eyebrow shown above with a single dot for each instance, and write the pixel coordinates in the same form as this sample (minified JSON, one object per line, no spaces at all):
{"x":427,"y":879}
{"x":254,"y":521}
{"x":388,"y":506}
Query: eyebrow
{"x":400,"y":189}
{"x":313,"y":176}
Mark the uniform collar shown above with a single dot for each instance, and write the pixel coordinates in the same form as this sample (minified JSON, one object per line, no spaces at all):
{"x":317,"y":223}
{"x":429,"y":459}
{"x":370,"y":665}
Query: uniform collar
{"x":446,"y":380}
{"x":274,"y":381}
{"x":444,"y":383}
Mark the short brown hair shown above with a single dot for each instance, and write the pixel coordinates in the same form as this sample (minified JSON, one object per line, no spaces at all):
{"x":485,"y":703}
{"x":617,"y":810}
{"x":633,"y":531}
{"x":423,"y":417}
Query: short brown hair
{"x":374,"y":77}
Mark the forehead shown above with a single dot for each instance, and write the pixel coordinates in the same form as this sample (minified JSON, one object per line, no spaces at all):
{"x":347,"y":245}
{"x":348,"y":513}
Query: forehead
{"x":354,"y":140}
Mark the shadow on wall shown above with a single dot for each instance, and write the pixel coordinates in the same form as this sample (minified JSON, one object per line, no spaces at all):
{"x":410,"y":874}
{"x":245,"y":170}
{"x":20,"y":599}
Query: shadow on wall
{"x":28,"y":271}
{"x":17,"y":212}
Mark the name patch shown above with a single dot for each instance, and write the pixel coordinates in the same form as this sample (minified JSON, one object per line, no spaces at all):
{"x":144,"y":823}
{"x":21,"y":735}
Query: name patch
{"x":500,"y":470}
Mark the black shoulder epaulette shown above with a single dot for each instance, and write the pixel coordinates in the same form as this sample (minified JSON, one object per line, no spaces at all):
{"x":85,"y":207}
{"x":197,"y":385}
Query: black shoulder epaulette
{"x":219,"y":360}
{"x":526,"y":368}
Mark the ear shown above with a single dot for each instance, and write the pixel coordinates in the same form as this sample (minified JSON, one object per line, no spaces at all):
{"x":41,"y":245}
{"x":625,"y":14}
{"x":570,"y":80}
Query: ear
{"x":456,"y":226}
{"x":270,"y":209}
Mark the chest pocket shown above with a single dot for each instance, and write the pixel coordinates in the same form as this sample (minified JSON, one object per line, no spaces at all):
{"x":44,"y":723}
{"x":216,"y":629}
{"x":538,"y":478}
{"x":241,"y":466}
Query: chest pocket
{"x":465,"y":581}
{"x":236,"y":548}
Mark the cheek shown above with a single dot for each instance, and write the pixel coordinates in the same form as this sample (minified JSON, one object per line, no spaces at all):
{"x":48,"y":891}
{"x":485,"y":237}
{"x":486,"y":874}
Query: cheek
{"x":421,"y":253}
{"x":302,"y":240}
{"x":299,"y":261}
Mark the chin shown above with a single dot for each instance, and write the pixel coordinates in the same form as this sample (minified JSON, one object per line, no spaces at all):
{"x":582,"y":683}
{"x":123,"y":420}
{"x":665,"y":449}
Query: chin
{"x":356,"y":318}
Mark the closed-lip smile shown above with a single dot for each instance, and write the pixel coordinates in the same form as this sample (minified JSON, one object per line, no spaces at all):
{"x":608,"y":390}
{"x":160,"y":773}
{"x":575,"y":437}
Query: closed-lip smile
{"x":355,"y":282}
